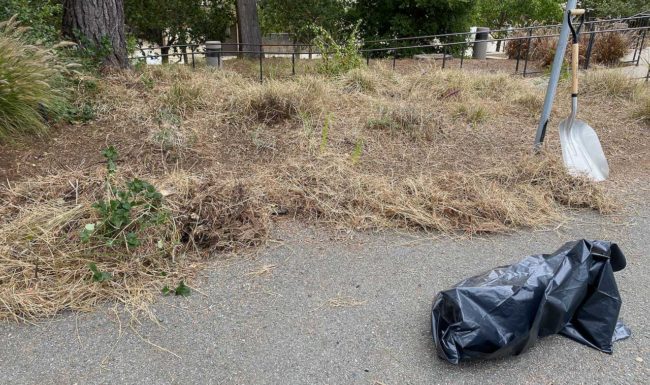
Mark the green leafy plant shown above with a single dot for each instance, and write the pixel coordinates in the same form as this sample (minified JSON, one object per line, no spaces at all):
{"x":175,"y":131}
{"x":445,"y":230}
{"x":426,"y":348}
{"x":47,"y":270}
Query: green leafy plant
{"x":337,"y":58}
{"x":99,"y":276}
{"x":126,"y":212}
{"x":43,"y":17}
{"x":181,"y":289}
{"x":89,"y":53}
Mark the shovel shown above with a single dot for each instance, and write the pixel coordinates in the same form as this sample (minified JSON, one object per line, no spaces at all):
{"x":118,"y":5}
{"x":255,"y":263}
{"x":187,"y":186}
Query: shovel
{"x":581,"y":148}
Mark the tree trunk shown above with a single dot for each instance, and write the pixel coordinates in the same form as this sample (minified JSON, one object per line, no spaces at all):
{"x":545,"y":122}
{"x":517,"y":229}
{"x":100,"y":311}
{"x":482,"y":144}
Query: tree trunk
{"x":98,"y":24}
{"x":249,"y":28}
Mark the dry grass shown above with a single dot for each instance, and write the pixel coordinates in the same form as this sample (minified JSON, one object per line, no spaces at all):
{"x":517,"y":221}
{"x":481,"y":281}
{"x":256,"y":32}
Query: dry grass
{"x":452,"y":153}
{"x":44,"y":267}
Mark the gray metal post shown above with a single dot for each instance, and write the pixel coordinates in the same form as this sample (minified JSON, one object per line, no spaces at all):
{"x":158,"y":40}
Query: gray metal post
{"x":555,"y":76}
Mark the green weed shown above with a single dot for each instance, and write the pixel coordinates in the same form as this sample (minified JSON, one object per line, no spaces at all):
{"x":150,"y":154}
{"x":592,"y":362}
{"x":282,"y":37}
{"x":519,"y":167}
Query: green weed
{"x":355,"y":157}
{"x":182,"y":290}
{"x":99,"y":276}
{"x":126,"y":212}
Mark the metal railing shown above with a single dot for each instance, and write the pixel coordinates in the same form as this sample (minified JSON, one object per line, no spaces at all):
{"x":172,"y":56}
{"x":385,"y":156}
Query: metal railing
{"x":395,"y":48}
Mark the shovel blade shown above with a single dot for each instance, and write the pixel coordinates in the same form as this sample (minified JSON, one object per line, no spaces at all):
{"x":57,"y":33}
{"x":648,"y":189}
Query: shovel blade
{"x":582,"y":152}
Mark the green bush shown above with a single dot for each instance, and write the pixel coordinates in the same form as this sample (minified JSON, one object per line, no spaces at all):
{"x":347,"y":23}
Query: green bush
{"x":337,"y":58}
{"x":43,"y":17}
{"x":27,"y":76}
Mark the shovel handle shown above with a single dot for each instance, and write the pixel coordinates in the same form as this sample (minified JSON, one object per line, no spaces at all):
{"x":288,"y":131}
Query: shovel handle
{"x":575,"y":49}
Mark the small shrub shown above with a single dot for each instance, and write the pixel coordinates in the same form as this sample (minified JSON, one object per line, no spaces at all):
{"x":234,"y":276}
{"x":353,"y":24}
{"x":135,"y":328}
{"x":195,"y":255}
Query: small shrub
{"x":609,"y":48}
{"x":517,"y":48}
{"x":335,"y":58}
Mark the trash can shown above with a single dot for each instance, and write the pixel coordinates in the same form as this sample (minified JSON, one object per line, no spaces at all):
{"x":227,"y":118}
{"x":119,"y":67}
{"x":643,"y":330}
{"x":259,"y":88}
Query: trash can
{"x":213,"y":53}
{"x":479,"y":50}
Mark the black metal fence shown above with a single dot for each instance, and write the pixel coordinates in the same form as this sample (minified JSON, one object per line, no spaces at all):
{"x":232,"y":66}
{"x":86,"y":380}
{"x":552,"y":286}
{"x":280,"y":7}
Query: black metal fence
{"x":447,"y":46}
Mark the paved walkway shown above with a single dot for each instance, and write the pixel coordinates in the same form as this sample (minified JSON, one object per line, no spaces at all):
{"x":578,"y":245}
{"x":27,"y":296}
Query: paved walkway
{"x":334,"y":309}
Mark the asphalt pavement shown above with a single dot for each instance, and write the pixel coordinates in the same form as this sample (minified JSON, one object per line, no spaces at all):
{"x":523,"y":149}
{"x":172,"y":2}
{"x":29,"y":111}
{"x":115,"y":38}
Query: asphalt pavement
{"x":323,"y":307}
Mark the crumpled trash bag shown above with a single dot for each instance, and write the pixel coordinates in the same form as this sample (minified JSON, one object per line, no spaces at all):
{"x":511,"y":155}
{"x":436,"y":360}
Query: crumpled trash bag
{"x":503,"y":311}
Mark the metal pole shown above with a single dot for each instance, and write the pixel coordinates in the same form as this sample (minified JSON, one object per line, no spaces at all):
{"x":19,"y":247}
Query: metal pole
{"x":530,"y":32}
{"x":518,"y":55}
{"x":641,"y":48}
{"x":555,"y":76}
{"x":592,"y":38}
{"x":462,"y":55}
{"x":293,"y":61}
{"x":444,"y":56}
{"x":193,"y":65}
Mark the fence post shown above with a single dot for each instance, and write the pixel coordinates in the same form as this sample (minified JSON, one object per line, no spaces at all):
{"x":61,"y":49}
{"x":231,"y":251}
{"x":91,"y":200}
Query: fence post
{"x":641,"y":47}
{"x":368,"y":59}
{"x":530,"y":32}
{"x":444,"y":56}
{"x":293,"y":61}
{"x":518,"y":55}
{"x":193,"y":65}
{"x":592,"y":38}
{"x":462,"y":55}
{"x":394,"y":58}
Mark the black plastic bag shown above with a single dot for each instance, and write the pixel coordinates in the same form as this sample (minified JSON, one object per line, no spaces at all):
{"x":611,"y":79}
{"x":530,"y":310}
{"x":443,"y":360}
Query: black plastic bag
{"x":503,"y":311}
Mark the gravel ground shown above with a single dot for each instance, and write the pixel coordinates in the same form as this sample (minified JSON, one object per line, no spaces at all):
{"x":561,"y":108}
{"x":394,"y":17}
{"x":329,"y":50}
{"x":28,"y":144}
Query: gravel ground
{"x":333,"y":308}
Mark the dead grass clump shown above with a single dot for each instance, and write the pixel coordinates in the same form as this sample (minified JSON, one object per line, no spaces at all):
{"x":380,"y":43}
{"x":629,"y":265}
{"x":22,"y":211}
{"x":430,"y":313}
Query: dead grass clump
{"x":531,"y":102}
{"x":472,"y":113}
{"x":183,"y":97}
{"x":275,"y":102}
{"x":228,"y":216}
{"x":610,"y":84}
{"x":45,"y":265}
{"x":412,"y":119}
{"x":494,"y":86}
{"x":528,"y":193}
{"x":641,"y":109}
{"x":359,"y":80}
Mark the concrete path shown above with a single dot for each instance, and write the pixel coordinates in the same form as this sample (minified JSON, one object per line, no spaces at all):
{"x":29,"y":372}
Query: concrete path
{"x":334,"y":309}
